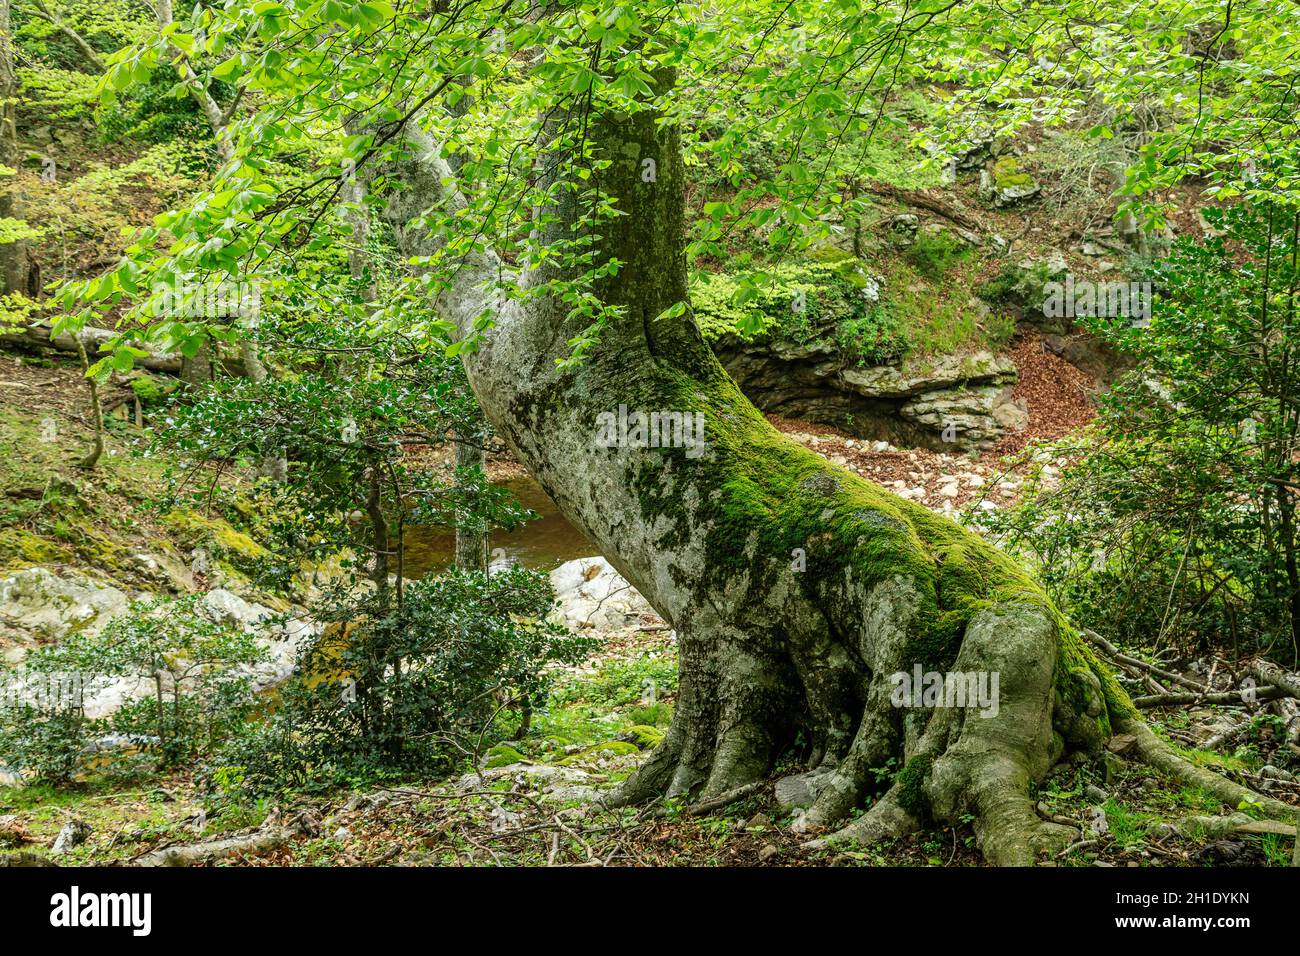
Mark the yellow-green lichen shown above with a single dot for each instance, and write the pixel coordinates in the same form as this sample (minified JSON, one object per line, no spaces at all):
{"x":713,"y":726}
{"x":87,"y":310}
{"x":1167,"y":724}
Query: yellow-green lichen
{"x":199,"y":529}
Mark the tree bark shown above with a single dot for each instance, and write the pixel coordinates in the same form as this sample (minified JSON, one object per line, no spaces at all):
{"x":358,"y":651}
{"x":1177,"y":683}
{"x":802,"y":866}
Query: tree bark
{"x":796,"y":588}
{"x":96,"y":412}
{"x":471,"y":535}
{"x":16,"y":267}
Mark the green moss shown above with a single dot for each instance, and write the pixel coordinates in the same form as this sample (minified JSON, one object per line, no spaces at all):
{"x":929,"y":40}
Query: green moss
{"x":646,"y":737}
{"x":19,"y":547}
{"x":152,"y":389}
{"x":614,"y":748}
{"x":765,"y":495}
{"x":910,"y":782}
{"x":502,"y":755}
{"x":619,"y":748}
{"x":202,"y":529}
{"x":1007,"y":173}
{"x":1075,"y":663}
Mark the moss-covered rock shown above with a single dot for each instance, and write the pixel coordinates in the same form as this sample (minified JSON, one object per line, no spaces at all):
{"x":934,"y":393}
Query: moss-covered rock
{"x":152,"y":389}
{"x":1007,"y":184}
{"x":502,"y":755}
{"x":21,"y":548}
{"x":644,"y":736}
{"x":608,"y":748}
{"x":206,"y":530}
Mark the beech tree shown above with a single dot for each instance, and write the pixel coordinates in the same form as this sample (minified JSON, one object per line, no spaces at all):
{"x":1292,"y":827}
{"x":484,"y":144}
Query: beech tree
{"x":532,"y":160}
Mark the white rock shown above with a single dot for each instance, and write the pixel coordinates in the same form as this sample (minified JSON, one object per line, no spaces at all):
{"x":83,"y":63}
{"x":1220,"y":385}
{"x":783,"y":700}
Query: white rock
{"x":280,"y":640}
{"x":592,"y":594}
{"x":50,"y":607}
{"x":39,"y":604}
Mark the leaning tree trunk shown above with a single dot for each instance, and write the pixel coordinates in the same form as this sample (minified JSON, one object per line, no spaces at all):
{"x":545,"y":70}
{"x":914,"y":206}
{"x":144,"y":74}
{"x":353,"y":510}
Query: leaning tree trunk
{"x":796,"y":588}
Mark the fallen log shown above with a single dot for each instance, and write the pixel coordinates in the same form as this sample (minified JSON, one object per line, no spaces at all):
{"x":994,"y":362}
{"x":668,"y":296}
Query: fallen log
{"x":1219,"y":697}
{"x":38,"y":336}
{"x":1268,"y":673}
{"x":922,"y":200}
{"x":1133,"y":663}
{"x":205,"y":851}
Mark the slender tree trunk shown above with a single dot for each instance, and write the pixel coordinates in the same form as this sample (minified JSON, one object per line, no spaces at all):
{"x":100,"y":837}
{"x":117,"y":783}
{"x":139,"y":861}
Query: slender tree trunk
{"x":87,"y":51}
{"x":96,"y":412}
{"x":378,"y":531}
{"x":1286,"y":512}
{"x":219,"y":122}
{"x":15,"y":257}
{"x":217,"y":118}
{"x":471,"y":535}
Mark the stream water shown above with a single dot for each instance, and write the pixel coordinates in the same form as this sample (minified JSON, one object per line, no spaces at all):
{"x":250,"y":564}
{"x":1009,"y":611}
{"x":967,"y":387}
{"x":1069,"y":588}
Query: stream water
{"x":543,"y":543}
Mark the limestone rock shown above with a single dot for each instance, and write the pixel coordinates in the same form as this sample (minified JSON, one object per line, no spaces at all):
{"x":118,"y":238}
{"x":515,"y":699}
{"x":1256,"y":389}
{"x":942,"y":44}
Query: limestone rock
{"x":915,"y":377}
{"x":1005,"y":184}
{"x":592,"y":595}
{"x":49,"y":606}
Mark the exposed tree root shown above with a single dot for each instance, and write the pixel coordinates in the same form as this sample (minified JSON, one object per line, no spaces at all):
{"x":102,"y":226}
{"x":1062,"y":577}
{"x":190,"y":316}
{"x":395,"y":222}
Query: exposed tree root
{"x":962,"y":764}
{"x":886,"y":820}
{"x":1154,"y":752}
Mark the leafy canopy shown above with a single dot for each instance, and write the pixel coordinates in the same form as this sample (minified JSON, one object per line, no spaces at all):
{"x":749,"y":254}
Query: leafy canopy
{"x":507,"y":90}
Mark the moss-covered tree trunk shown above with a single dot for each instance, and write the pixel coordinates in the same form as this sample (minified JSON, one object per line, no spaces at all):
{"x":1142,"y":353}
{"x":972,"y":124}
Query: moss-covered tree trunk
{"x":796,"y":588}
{"x":16,"y":266}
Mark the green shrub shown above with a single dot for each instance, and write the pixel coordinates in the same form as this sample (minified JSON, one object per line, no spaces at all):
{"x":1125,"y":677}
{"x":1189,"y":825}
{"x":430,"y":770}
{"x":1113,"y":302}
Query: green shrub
{"x":198,"y":671}
{"x":1176,"y":522}
{"x":49,"y":745}
{"x":877,"y":338}
{"x":418,"y":686}
{"x":817,"y":302}
{"x":934,"y":252}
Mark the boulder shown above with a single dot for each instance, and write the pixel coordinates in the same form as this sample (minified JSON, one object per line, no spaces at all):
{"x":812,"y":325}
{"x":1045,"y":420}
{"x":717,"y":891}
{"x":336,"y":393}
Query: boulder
{"x":593,"y":596}
{"x":46,"y":606}
{"x":914,"y":377}
{"x":1005,"y":184}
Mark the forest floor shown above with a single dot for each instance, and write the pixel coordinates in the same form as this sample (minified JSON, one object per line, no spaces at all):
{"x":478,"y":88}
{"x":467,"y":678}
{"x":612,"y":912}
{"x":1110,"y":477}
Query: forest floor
{"x":530,"y":801}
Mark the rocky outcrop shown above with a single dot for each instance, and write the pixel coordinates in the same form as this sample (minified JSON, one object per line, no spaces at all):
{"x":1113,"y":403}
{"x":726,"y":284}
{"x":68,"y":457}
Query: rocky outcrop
{"x":38,"y":606}
{"x":954,"y":402}
{"x":1004,"y":184}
